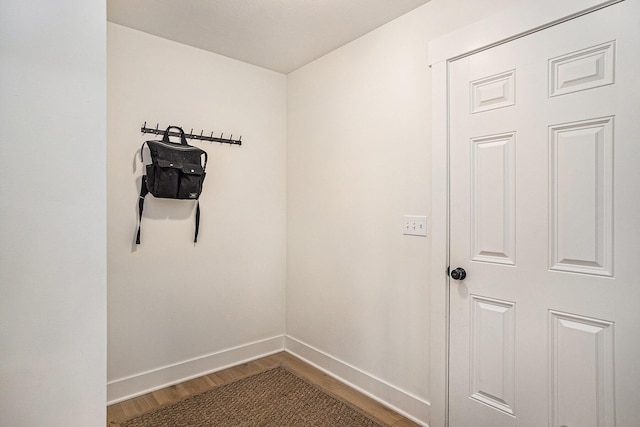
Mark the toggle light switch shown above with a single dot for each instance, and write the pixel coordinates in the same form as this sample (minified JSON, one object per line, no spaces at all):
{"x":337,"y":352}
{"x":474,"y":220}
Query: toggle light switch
{"x":415,"y":225}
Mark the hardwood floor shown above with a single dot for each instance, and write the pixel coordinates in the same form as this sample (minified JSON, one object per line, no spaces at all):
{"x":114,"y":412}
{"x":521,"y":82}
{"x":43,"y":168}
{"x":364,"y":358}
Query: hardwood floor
{"x":119,"y":412}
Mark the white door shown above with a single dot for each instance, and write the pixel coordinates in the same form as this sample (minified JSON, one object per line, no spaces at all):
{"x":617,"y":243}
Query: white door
{"x":545,"y":220}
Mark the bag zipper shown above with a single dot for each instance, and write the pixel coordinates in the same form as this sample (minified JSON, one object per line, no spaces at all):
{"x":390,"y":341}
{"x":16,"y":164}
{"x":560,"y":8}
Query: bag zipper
{"x":176,"y":146}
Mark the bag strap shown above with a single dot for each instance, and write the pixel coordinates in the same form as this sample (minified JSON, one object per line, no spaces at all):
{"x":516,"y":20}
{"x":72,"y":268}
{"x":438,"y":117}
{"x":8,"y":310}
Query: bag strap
{"x":195,"y":237}
{"x":183,"y":139}
{"x":205,"y":160}
{"x":141,"y":148}
{"x":143,"y":192}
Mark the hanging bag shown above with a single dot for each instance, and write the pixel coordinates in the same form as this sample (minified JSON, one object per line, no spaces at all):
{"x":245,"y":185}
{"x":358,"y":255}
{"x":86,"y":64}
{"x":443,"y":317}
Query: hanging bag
{"x":175,"y":172}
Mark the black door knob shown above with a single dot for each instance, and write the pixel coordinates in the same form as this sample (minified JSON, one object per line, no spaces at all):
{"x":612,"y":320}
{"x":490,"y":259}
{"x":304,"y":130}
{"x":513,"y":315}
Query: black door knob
{"x":458,"y":274}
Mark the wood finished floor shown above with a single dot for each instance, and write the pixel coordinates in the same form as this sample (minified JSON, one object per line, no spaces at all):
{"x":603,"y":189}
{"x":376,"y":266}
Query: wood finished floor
{"x":122,"y":411}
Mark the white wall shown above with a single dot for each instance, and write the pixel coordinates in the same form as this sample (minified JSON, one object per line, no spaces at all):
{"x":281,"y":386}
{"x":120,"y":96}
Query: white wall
{"x":52,"y":213}
{"x":335,"y":154}
{"x":358,"y":160}
{"x":176,"y":309}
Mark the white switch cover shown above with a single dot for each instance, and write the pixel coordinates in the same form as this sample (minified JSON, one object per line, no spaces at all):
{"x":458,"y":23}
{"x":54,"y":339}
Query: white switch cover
{"x":415,"y":225}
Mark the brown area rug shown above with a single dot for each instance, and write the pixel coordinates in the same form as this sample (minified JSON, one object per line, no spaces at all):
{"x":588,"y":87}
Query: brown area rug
{"x":274,"y":398}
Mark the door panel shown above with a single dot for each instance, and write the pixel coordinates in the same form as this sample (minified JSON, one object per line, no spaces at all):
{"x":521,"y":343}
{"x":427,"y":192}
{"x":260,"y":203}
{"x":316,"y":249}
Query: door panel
{"x":492,"y":374}
{"x":581,"y":371}
{"x":493,"y":199}
{"x":581,"y":197}
{"x":544,"y":155}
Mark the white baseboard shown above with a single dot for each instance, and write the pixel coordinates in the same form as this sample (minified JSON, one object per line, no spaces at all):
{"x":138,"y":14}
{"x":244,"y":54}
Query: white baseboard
{"x":145,"y":382}
{"x":406,"y":404}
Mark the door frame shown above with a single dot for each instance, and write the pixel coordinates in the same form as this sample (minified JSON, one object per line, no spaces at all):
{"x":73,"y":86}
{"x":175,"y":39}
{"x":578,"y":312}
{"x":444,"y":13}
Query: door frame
{"x":518,"y":21}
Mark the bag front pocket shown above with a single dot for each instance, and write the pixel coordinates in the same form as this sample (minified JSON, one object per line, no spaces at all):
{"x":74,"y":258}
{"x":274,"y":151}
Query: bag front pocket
{"x":166,"y":179}
{"x":191,"y":179}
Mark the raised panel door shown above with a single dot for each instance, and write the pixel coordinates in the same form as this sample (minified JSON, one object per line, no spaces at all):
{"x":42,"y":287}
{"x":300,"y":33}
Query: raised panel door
{"x":544,"y":141}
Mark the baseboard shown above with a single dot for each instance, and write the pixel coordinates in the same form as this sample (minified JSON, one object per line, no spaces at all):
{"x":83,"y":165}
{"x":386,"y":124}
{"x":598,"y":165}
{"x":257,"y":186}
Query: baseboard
{"x":145,"y":382}
{"x":404,"y":403}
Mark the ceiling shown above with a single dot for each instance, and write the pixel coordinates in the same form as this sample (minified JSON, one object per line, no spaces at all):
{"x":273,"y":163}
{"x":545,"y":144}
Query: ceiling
{"x":280,"y":35}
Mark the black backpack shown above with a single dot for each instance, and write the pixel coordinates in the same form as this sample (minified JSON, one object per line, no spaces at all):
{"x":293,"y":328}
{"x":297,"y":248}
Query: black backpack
{"x":175,"y":172}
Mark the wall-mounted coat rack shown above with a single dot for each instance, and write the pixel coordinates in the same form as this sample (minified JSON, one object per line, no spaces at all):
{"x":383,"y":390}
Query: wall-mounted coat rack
{"x":191,"y":135}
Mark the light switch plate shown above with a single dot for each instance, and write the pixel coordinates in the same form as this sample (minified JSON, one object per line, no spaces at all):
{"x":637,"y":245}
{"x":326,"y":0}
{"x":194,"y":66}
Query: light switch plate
{"x":415,"y":225}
